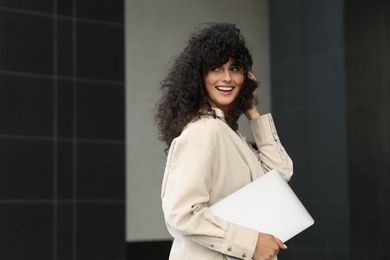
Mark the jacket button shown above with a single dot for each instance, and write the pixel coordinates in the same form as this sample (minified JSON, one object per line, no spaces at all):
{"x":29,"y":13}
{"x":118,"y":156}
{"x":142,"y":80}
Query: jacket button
{"x":211,"y":246}
{"x":244,"y":255}
{"x":229,"y":249}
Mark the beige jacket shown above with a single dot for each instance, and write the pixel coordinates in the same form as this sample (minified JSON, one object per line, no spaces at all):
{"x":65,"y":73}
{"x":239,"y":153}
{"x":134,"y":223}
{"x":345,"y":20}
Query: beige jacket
{"x":207,"y":162}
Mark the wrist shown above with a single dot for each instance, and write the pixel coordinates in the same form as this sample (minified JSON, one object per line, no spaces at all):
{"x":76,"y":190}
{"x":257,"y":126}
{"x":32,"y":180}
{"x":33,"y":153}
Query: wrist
{"x":252,"y":114}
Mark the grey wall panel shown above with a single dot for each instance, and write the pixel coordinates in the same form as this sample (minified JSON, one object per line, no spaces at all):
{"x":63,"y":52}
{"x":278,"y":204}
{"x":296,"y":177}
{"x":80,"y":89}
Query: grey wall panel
{"x":156,"y":32}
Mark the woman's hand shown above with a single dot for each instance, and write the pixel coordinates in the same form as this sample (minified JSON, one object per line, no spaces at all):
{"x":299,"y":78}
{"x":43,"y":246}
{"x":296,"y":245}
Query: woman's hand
{"x":267,"y":246}
{"x":252,"y":112}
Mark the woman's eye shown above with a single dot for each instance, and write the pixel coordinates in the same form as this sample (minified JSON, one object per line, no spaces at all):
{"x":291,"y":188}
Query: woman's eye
{"x":235,"y":69}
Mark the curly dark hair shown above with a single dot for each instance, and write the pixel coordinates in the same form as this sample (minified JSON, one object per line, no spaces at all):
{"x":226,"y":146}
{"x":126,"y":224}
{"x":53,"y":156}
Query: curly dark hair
{"x":185,"y":98}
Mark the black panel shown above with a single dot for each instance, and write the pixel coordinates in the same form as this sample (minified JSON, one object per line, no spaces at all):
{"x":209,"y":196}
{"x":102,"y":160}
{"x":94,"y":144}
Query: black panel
{"x":325,"y":78}
{"x":308,"y":253}
{"x":294,"y":94}
{"x":100,"y":231}
{"x":65,"y":101}
{"x":100,"y":50}
{"x":65,"y":231}
{"x":65,"y":47}
{"x":292,"y":129}
{"x":104,"y":10}
{"x":149,"y":249}
{"x":308,"y":102}
{"x":287,"y":39}
{"x":26,"y":168}
{"x":65,"y":7}
{"x":371,"y":219}
{"x":326,"y":128}
{"x":26,"y":43}
{"x":36,"y":5}
{"x":26,"y":231}
{"x":65,"y":170}
{"x":367,"y":63}
{"x":100,"y":111}
{"x":320,"y":175}
{"x":32,"y":166}
{"x":328,"y":214}
{"x":100,"y":171}
{"x":26,"y":106}
{"x":323,"y":28}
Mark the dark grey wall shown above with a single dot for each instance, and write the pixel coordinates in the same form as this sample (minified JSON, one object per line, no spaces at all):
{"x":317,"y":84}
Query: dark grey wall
{"x":309,"y":106}
{"x":368,"y":71}
{"x":62,"y":130}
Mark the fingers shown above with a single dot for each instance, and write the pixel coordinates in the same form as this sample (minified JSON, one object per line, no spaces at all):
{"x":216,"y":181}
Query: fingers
{"x":267,"y":247}
{"x":277,"y":246}
{"x":280,"y":243}
{"x":275,"y":250}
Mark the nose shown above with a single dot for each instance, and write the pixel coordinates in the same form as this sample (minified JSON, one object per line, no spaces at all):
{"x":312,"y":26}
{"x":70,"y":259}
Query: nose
{"x":226,"y":76}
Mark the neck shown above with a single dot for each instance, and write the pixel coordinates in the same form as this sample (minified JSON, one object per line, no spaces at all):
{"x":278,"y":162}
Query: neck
{"x":225,"y":110}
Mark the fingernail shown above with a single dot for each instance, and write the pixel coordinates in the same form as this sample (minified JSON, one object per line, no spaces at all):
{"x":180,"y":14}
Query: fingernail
{"x":285,"y":247}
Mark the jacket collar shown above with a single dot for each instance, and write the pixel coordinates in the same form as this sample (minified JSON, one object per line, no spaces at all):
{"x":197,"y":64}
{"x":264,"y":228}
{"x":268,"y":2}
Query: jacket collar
{"x":219,"y":113}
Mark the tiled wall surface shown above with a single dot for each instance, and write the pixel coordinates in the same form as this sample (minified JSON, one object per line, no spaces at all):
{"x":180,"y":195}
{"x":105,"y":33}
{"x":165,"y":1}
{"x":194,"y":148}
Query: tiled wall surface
{"x":368,"y":72}
{"x":62,"y":130}
{"x":309,"y":107}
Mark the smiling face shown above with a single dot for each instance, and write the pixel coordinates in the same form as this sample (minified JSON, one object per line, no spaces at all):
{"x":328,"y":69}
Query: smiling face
{"x":223,"y":85}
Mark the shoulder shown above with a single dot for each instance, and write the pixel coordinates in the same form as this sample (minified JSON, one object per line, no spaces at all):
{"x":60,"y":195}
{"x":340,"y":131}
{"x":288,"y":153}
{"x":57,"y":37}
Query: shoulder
{"x":206,"y":126}
{"x":204,"y":132}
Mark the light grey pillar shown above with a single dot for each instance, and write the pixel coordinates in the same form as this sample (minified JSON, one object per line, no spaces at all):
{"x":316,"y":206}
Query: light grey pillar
{"x":156,"y":32}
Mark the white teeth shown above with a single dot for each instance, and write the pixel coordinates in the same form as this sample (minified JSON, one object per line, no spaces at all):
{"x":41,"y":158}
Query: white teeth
{"x":225,"y":88}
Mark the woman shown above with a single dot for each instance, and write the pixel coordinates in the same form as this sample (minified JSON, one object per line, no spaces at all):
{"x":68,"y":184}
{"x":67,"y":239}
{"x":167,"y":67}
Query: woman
{"x":208,"y":87}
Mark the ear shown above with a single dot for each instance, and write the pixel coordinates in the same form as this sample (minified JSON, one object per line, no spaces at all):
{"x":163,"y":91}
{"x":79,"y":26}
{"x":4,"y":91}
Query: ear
{"x":251,"y":76}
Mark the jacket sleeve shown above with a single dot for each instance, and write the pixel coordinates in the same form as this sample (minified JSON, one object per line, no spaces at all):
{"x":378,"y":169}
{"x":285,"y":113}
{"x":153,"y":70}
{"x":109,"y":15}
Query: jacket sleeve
{"x":270,"y":153}
{"x":185,"y":200}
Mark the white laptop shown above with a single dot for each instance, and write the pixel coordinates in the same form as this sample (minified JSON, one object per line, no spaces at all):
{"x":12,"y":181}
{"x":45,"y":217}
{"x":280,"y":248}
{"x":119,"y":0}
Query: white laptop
{"x":268,"y":205}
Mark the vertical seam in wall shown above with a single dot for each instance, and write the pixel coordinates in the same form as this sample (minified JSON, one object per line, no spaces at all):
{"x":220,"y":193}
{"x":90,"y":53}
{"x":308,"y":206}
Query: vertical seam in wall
{"x":386,"y":52}
{"x":305,"y":66}
{"x":74,"y":134}
{"x":55,"y":131}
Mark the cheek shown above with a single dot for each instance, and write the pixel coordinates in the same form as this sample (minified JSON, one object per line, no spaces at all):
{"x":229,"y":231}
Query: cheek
{"x":207,"y":85}
{"x":240,"y":80}
{"x":210,"y":78}
{"x":209,"y":81}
